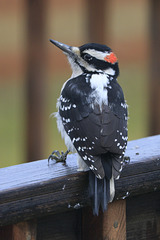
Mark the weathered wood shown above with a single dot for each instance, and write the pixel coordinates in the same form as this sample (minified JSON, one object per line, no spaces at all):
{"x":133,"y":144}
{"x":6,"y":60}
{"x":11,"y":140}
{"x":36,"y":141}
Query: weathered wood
{"x":92,"y":226}
{"x":114,"y":221}
{"x":20,"y":231}
{"x":25,"y":230}
{"x":61,"y":226}
{"x":143,"y":217}
{"x":6,"y":232}
{"x":36,"y":189}
{"x":110,"y":225}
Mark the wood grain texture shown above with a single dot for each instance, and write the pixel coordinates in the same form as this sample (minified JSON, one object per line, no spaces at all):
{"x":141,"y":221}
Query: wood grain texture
{"x":92,"y":226}
{"x":61,"y":226}
{"x":114,"y":221}
{"x":110,"y":225}
{"x":25,"y":230}
{"x":143,"y":217}
{"x":35,"y":189}
{"x":6,"y":232}
{"x":20,"y":231}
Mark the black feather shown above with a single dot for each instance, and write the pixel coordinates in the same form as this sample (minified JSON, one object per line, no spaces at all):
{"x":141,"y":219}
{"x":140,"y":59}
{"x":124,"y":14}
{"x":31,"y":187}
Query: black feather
{"x":99,"y":192}
{"x":99,"y":134}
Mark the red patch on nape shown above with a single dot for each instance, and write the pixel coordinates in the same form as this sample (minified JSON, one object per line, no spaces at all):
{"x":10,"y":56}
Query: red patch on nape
{"x":111,"y":58}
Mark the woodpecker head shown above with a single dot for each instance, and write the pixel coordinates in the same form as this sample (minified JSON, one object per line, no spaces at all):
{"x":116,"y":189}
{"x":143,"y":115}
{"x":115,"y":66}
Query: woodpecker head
{"x":91,"y":57}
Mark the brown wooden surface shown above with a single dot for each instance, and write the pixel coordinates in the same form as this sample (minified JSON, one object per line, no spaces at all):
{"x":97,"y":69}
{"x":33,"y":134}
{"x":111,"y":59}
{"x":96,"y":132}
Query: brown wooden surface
{"x":20,"y":231}
{"x":35,"y":78}
{"x":154,"y":86}
{"x":24,"y":231}
{"x":61,"y":226}
{"x":6,"y":232}
{"x":143,"y":217}
{"x":110,"y":225}
{"x":114,"y":221}
{"x":35,"y":189}
{"x":92,"y":226}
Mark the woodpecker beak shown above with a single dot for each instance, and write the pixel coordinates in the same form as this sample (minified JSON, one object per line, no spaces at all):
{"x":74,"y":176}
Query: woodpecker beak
{"x":71,"y":51}
{"x":65,"y":48}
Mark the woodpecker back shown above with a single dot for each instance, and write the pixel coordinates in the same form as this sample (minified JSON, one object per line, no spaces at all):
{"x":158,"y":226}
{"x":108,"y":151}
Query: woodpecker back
{"x":92,"y":117}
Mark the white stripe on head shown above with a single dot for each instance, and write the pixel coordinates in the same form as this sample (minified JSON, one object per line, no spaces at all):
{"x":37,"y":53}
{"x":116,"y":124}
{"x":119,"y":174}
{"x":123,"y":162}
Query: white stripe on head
{"x":97,"y":54}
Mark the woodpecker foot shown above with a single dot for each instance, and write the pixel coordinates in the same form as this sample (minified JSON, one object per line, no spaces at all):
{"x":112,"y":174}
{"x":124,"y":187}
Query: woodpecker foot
{"x":58,"y":157}
{"x":126,"y":159}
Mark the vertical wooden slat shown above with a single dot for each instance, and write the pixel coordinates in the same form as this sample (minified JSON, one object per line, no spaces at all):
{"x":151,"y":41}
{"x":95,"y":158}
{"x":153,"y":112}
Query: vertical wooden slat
{"x":110,"y":225}
{"x":92,"y":226}
{"x":35,"y":78}
{"x":60,"y":226}
{"x":25,"y":231}
{"x":143,"y":216}
{"x":96,"y":27}
{"x":154,"y":86}
{"x":114,"y":221}
{"x":6,"y":232}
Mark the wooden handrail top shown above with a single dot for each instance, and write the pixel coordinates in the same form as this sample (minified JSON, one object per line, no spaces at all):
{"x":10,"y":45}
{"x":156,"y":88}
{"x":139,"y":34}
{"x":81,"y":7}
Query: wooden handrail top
{"x":36,"y":189}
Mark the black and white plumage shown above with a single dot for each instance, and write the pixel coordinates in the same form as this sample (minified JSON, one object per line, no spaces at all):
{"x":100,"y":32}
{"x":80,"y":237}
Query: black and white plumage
{"x":92,"y":117}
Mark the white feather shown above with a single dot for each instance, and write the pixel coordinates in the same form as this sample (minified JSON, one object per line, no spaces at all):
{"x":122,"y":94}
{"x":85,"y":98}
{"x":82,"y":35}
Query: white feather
{"x":97,"y":54}
{"x":99,"y":83}
{"x":64,"y":135}
{"x":112,"y":189}
{"x":82,"y":166}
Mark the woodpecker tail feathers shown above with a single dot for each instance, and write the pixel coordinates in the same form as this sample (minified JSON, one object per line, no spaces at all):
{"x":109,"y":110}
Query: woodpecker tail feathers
{"x":102,"y":191}
{"x":99,"y":191}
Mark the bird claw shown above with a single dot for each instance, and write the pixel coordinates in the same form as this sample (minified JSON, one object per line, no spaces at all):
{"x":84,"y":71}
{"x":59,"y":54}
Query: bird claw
{"x":58,"y":157}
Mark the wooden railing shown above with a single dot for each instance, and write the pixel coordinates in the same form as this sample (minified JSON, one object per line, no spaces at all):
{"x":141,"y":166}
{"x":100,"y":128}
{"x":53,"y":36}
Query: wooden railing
{"x":43,"y":202}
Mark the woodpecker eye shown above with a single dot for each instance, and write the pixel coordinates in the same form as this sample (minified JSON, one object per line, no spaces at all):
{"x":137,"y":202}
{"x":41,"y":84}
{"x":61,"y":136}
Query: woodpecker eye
{"x":87,"y":57}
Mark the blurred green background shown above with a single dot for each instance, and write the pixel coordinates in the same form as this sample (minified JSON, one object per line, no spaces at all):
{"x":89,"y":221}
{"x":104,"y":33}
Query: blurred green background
{"x":127,"y":34}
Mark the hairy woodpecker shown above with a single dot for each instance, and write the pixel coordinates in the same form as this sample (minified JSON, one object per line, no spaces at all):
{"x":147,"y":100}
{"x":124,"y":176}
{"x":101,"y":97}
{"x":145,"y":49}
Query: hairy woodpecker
{"x":92,"y":117}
